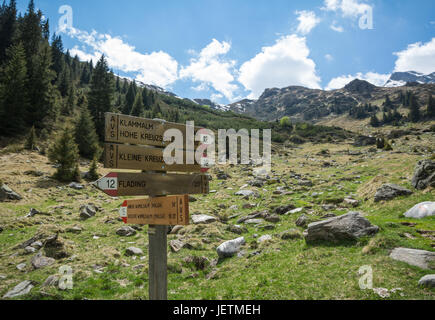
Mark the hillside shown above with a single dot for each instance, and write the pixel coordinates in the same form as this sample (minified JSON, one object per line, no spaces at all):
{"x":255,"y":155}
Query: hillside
{"x":301,"y":103}
{"x":310,"y":181}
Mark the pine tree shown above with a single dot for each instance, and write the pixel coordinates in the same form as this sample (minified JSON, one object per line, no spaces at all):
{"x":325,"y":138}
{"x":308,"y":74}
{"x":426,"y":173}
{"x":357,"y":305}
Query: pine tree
{"x":41,"y":93}
{"x":57,"y":55}
{"x":30,"y":33}
{"x":130,"y":98}
{"x":13,"y":96}
{"x":31,"y":140}
{"x":138,"y":107}
{"x":374,"y":121}
{"x":8,"y":26}
{"x":86,"y":136}
{"x":64,"y":152}
{"x":431,"y":107}
{"x":414,"y":114}
{"x":70,"y":103}
{"x":100,"y":96}
{"x":93,"y":171}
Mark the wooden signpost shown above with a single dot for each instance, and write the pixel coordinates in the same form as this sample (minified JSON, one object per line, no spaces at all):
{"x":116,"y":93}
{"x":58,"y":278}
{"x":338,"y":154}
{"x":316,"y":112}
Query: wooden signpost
{"x":137,"y":144}
{"x":118,"y":184}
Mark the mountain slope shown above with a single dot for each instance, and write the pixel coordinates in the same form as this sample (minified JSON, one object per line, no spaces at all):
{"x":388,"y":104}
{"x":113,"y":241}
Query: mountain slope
{"x":398,"y":79}
{"x":302,"y":103}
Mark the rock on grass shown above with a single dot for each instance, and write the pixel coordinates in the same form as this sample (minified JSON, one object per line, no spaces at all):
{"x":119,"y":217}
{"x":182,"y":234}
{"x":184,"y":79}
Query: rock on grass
{"x":230,"y":248}
{"x":390,"y":191}
{"x":20,"y":290}
{"x":350,"y":226}
{"x":414,"y":257}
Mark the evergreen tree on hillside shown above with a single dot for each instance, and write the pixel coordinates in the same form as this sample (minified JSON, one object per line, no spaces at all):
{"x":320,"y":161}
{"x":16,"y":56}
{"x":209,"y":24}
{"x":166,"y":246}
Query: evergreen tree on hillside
{"x":30,"y":33}
{"x":13,"y":95}
{"x":138,"y":107}
{"x":414,"y":114}
{"x":8,"y":26}
{"x":374,"y":121}
{"x":70,"y":103}
{"x":31,"y":140}
{"x":431,"y":107}
{"x":64,"y":152}
{"x":57,"y":55}
{"x":101,"y":94}
{"x":41,"y":95}
{"x":130,"y":98}
{"x":85,"y":136}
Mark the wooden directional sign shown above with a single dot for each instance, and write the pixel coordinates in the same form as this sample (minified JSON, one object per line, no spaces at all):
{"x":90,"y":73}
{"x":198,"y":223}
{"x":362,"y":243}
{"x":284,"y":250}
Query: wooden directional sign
{"x":164,"y":211}
{"x":117,"y":184}
{"x":133,"y":130}
{"x":121,"y":156}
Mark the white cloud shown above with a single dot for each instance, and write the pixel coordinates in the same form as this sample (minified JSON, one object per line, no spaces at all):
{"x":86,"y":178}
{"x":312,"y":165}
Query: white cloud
{"x":336,"y":27}
{"x":157,"y":68}
{"x":348,"y":8}
{"x":307,"y":21}
{"x":419,"y":57}
{"x":329,"y":57}
{"x":213,"y":69}
{"x":282,"y":64}
{"x":374,"y":78}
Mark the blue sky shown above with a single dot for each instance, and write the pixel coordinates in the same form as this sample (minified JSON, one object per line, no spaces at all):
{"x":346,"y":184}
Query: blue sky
{"x":227,"y":50}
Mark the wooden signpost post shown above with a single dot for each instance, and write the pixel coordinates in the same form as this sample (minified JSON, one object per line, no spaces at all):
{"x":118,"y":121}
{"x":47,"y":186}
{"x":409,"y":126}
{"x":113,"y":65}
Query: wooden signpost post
{"x":137,"y":144}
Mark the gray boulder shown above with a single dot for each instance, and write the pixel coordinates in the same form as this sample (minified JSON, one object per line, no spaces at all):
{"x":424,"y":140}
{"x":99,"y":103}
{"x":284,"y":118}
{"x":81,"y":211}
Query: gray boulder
{"x":88,"y":211}
{"x":20,"y":290}
{"x":350,"y":226}
{"x":39,"y":261}
{"x":133,"y":251}
{"x":7,"y":193}
{"x":245,"y":193}
{"x":302,"y":221}
{"x":424,"y":175}
{"x":390,"y":191}
{"x":76,"y":186}
{"x":421,"y":210}
{"x":230,"y":248}
{"x":264,"y":238}
{"x":414,"y":257}
{"x":126,"y":231}
{"x":427,"y":281}
{"x":203,"y":219}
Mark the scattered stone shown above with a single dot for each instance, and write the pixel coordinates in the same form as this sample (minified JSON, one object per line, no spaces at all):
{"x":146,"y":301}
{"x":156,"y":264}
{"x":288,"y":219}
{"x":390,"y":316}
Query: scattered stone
{"x":54,"y":247}
{"x":21,"y":266}
{"x":7,"y":193}
{"x":230,"y":248}
{"x":427,"y":281}
{"x":414,"y":257}
{"x":390,"y":191}
{"x":176,"y":245}
{"x":76,"y":186}
{"x":29,"y":249}
{"x":264,"y":238}
{"x":176,"y":229}
{"x":87,"y":211}
{"x":274,"y":218}
{"x":21,"y":289}
{"x":32,"y":213}
{"x":305,"y":183}
{"x":302,"y":221}
{"x":297,"y":210}
{"x":245,"y":193}
{"x":36,"y":244}
{"x":291,"y":234}
{"x":254,"y":221}
{"x":126,"y":231}
{"x":424,"y":175}
{"x":249,"y":206}
{"x":256,"y":183}
{"x":328,"y":207}
{"x":223,"y":176}
{"x":351,"y":202}
{"x":203,"y":219}
{"x":39,"y":261}
{"x":350,"y":226}
{"x":74,"y":229}
{"x":421,"y":210}
{"x":51,"y":281}
{"x":133,"y":251}
{"x":234,"y":208}
{"x":284,"y":209}
{"x":237,"y":229}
